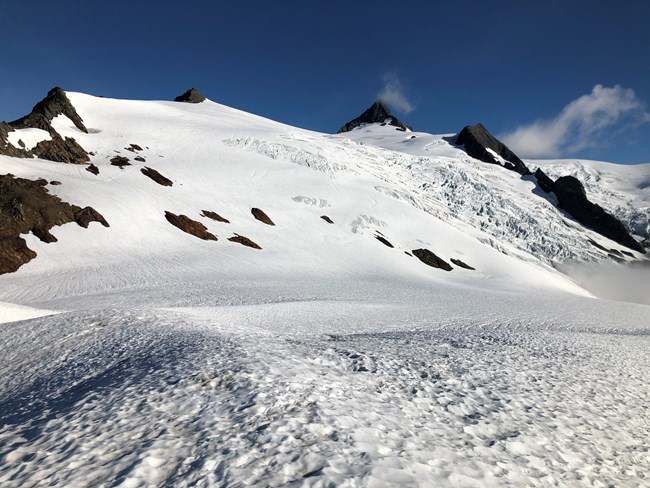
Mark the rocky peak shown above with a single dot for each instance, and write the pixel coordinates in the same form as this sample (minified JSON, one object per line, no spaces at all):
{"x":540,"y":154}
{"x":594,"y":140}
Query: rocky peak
{"x":65,"y":150}
{"x":55,"y":103}
{"x":482,"y":145}
{"x":190,"y":96}
{"x":377,"y":113}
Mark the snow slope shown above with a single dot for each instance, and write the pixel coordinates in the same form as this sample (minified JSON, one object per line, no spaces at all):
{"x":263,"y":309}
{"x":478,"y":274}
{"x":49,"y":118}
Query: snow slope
{"x":326,"y":358}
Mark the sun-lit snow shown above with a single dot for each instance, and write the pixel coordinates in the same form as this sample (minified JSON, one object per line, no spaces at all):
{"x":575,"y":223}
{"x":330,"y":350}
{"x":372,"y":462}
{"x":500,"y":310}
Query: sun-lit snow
{"x":325,"y":358}
{"x":29,"y":137}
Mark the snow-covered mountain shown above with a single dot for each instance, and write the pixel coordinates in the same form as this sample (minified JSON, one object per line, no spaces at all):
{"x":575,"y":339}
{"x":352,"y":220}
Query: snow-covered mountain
{"x":261,"y":281}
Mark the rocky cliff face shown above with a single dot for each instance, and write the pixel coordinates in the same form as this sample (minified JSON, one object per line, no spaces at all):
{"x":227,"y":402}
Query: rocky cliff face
{"x":377,"y":113}
{"x":482,"y":145}
{"x":571,"y":195}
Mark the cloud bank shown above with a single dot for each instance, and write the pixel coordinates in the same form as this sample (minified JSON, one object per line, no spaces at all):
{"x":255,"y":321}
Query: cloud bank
{"x":582,"y":124}
{"x":393,"y":94}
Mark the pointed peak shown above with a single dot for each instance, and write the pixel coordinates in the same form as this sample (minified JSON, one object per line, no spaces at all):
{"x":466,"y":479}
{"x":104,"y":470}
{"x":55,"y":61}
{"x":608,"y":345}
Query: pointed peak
{"x":191,"y":96}
{"x":55,"y":103}
{"x":377,"y":113}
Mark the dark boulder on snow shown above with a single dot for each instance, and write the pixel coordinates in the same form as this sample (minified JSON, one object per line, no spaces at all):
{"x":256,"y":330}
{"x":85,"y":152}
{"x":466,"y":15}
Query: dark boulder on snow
{"x":91,"y":168}
{"x":156,"y":176}
{"x":244,"y":241}
{"x":120,"y":161}
{"x":461,"y":264}
{"x":214,"y":216}
{"x":186,"y":224}
{"x":384,"y":241}
{"x":55,"y":103}
{"x":27,"y":206}
{"x":572,"y":197}
{"x":482,"y":145}
{"x":190,"y":96}
{"x":430,"y":259}
{"x":327,"y":219}
{"x":378,"y":113}
{"x":261,"y":216}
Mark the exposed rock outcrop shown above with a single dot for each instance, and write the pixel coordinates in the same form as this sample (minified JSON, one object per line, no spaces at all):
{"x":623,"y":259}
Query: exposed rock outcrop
{"x":482,"y":145}
{"x":326,"y":219}
{"x":461,"y":264}
{"x":261,"y":216}
{"x":214,"y":216}
{"x":61,"y":150}
{"x":64,"y":150}
{"x":190,"y":96}
{"x":156,"y":176}
{"x":378,"y":112}
{"x":186,"y":224}
{"x":91,"y":168}
{"x":244,"y":241}
{"x":384,"y":241}
{"x":26,"y":206}
{"x":544,"y":181}
{"x":572,"y":197}
{"x":55,"y":103}
{"x":120,"y":161}
{"x":430,"y":259}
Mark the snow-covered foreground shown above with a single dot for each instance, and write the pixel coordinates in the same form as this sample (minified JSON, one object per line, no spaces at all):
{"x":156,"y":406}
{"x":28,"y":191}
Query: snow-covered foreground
{"x":393,"y":385}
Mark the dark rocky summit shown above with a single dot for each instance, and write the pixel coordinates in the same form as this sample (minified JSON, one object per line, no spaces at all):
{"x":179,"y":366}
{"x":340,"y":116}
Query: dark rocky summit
{"x":186,"y":224}
{"x":214,"y":216}
{"x":26,"y":206}
{"x":378,"y":113}
{"x":190,"y":96}
{"x":55,"y":103}
{"x":572,"y":197}
{"x":477,"y":140}
{"x":430,"y":259}
{"x":58,"y":149}
{"x":244,"y":241}
{"x":261,"y":216}
{"x":155,"y":176}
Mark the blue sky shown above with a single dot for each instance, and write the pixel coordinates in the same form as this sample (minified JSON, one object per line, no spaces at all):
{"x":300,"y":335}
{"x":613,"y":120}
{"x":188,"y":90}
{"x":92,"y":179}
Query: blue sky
{"x":513,"y":65}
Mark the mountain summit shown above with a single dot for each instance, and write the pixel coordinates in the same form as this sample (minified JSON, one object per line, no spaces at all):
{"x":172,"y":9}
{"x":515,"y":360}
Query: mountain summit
{"x":191,"y":96}
{"x":377,"y":113}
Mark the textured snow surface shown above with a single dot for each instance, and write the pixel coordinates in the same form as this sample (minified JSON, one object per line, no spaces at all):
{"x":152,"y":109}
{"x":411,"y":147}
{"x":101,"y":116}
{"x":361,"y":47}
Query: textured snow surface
{"x":325,"y":358}
{"x":377,"y":391}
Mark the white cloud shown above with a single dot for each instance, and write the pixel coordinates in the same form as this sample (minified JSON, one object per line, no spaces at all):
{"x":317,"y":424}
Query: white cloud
{"x":393,"y":94}
{"x":583,"y":123}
